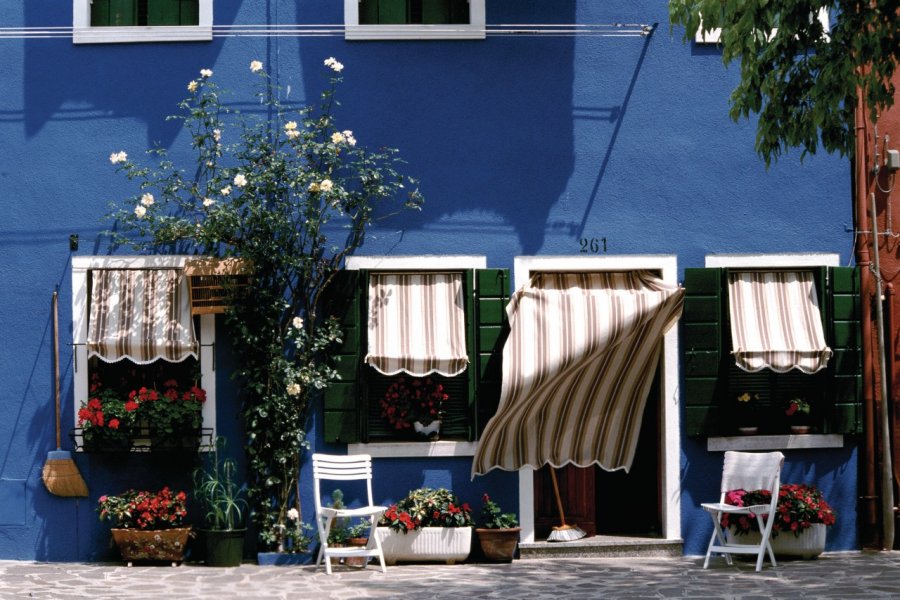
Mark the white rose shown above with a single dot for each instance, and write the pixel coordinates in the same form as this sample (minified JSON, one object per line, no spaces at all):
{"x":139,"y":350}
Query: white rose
{"x":293,"y":514}
{"x":334,"y":65}
{"x":240,"y":180}
{"x":290,"y":126}
{"x":256,"y":66}
{"x":207,"y":202}
{"x":348,"y":135}
{"x":326,"y":185}
{"x":207,"y":73}
{"x":217,"y":135}
{"x":293,"y":389}
{"x":226,"y":190}
{"x":337,"y":137}
{"x":293,"y":133}
{"x":147,"y":199}
{"x":313,"y":187}
{"x":298,"y":322}
{"x":140,"y":211}
{"x":192,"y":86}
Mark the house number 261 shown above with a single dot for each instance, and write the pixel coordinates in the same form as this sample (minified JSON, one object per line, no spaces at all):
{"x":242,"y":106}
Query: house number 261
{"x":593,"y":245}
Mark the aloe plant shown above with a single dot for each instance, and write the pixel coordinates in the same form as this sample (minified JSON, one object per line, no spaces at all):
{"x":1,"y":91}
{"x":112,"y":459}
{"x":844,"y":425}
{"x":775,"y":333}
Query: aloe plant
{"x":217,"y":489}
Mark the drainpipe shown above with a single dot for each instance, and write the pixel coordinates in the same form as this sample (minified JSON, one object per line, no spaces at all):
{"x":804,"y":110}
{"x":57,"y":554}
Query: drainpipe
{"x":890,"y":327}
{"x":869,"y":495}
{"x":887,"y":479}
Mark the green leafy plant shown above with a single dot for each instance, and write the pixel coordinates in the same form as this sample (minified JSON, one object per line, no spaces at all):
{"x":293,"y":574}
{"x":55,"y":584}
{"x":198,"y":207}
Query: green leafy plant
{"x":135,"y":509}
{"x":427,"y":507}
{"x":493,"y":517}
{"x":106,"y":417}
{"x":171,"y":411}
{"x":799,"y":507}
{"x":338,"y":533}
{"x":291,"y":194}
{"x":217,"y":489}
{"x":797,"y":408}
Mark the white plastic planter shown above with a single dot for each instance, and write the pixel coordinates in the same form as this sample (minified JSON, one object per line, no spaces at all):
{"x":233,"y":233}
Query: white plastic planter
{"x":429,"y":544}
{"x":809,"y":544}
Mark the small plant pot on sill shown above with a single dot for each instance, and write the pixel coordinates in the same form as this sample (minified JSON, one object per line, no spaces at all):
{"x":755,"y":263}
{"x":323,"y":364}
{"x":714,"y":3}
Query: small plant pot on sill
{"x":499,"y":544}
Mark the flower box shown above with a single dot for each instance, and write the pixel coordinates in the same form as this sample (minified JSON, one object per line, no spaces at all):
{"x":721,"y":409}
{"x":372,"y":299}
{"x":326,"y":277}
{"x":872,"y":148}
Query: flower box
{"x":809,"y":544}
{"x":428,"y":544}
{"x":151,"y":544}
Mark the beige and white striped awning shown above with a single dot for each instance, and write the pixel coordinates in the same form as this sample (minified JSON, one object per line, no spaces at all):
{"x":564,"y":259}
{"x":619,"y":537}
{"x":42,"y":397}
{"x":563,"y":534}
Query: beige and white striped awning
{"x":776,"y":322}
{"x":581,"y":355}
{"x":417,"y":324}
{"x":140,"y":314}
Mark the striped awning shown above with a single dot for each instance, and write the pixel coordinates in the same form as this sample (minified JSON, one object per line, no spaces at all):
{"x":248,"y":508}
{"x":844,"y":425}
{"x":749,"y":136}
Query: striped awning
{"x":140,"y":314}
{"x":776,"y":322}
{"x":577,"y":368}
{"x":417,"y":324}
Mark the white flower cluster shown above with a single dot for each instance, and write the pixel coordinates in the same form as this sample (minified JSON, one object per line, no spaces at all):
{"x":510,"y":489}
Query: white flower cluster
{"x":326,"y":185}
{"x":207,"y":202}
{"x":118,"y":157}
{"x":205,"y":73}
{"x":293,"y":514}
{"x":334,"y":65}
{"x":339,"y":137}
{"x":226,"y":190}
{"x":240,"y":180}
{"x":192,"y":86}
{"x":293,"y":389}
{"x":217,"y":135}
{"x":290,"y":130}
{"x":147,"y":199}
{"x":297,"y":323}
{"x":256,"y":66}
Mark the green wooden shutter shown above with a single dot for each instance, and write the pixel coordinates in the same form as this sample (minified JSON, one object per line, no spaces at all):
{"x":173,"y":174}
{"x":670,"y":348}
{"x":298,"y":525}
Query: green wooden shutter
{"x":344,"y":299}
{"x":843,"y":329}
{"x":702,"y":335}
{"x":173,"y":12}
{"x":490,"y":329}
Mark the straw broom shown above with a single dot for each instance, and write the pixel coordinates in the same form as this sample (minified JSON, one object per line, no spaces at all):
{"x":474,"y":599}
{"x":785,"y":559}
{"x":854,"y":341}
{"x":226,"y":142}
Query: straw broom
{"x":60,"y":474}
{"x":563,"y":533}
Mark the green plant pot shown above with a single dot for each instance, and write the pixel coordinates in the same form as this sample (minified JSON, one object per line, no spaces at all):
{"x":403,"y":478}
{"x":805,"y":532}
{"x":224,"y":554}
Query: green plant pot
{"x":224,"y":548}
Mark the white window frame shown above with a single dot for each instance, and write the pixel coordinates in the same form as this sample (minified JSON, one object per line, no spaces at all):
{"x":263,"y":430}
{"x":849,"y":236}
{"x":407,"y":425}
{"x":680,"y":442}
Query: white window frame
{"x":81,"y":265}
{"x":670,"y":440}
{"x":83,"y":33}
{"x":474,"y":30}
{"x":441,"y":448}
{"x":756,"y":443}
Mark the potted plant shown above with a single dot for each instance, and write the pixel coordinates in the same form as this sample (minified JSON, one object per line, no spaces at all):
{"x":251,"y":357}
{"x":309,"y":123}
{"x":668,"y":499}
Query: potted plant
{"x":499,"y":535}
{"x":147,"y":525}
{"x":797,"y":412}
{"x":106,"y":419}
{"x":221,"y":497}
{"x":415,"y":404}
{"x":296,"y":538}
{"x":344,"y":534}
{"x":747,"y":413}
{"x":427,"y":525}
{"x":174,"y":417}
{"x":801,"y":516}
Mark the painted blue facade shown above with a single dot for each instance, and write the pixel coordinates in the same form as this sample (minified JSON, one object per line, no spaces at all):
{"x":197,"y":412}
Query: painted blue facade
{"x":524,"y":145}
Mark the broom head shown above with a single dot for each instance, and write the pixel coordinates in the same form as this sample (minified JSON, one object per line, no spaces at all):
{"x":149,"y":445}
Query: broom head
{"x":61,"y":476}
{"x":566,"y":533}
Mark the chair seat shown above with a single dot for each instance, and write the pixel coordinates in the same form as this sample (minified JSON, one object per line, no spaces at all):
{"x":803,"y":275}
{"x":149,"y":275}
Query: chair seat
{"x":364,"y":511}
{"x":756,"y":509}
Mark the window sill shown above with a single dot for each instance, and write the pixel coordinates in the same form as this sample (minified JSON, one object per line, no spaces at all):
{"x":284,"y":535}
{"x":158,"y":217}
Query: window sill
{"x":414,"y":32}
{"x":136,"y":34}
{"x":775,"y":442}
{"x":413,"y":449}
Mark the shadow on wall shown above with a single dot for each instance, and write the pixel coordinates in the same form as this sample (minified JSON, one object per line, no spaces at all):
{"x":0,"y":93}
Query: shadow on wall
{"x":73,"y":83}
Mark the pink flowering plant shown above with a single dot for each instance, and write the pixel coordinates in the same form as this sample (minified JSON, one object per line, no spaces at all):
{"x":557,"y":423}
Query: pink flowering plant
{"x":799,"y":507}
{"x":411,"y":399}
{"x":427,"y":507}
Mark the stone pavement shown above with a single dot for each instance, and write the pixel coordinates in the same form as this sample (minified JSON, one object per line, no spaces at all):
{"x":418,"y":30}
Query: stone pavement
{"x":841,"y":576}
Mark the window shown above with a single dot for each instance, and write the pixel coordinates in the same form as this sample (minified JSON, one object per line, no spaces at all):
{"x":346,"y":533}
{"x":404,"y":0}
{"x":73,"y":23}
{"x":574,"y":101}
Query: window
{"x":158,"y":370}
{"x":352,"y":404}
{"x":713,"y":381}
{"x":115,"y":21}
{"x":414,"y":19}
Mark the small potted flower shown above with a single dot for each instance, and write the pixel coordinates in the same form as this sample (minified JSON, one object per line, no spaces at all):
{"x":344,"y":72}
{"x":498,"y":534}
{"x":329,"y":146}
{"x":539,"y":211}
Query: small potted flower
{"x":147,"y":525}
{"x":801,"y":516}
{"x":747,"y":413}
{"x":415,"y":403}
{"x":499,"y":535}
{"x":106,"y":419}
{"x":797,"y":412}
{"x":427,"y":525}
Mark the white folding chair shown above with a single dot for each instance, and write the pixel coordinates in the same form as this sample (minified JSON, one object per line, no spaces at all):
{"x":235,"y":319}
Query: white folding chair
{"x":748,"y":471}
{"x":345,"y":468}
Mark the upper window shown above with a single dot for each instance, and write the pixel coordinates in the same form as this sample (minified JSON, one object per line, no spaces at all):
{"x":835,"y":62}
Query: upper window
{"x":115,"y":21}
{"x":736,"y":377}
{"x":420,"y":345}
{"x":414,"y":19}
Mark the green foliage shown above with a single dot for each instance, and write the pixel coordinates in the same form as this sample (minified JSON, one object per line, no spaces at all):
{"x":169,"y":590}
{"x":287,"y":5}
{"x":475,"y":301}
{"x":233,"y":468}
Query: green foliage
{"x":494,"y":517}
{"x":218,"y":490}
{"x":427,"y":507}
{"x":802,"y":81}
{"x":290,"y":193}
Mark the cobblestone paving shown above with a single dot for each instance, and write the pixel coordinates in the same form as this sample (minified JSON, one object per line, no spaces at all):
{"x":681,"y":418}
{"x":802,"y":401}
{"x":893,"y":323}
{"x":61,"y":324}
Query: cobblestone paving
{"x":841,"y":576}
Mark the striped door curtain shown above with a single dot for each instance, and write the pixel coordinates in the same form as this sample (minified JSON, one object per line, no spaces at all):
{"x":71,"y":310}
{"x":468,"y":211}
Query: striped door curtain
{"x":776,"y":322}
{"x":142,"y":315}
{"x":417,"y":324}
{"x":581,"y":356}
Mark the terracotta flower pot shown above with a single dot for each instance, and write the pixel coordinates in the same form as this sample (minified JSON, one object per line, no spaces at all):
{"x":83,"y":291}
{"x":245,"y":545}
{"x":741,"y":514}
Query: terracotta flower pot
{"x":499,"y":544}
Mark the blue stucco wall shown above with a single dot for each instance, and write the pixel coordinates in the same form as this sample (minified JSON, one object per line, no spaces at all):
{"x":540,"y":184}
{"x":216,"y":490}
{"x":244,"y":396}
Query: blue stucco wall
{"x":523,"y":144}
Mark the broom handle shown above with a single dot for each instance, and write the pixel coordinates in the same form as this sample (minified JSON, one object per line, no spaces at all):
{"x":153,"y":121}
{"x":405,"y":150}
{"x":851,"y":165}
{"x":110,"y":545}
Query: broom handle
{"x":56,"y":360}
{"x":562,"y":515}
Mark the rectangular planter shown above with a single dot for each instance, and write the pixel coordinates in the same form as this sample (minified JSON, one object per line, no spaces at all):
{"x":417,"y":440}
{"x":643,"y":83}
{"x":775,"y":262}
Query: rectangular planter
{"x":151,"y":544}
{"x":808,"y":544}
{"x":429,"y":544}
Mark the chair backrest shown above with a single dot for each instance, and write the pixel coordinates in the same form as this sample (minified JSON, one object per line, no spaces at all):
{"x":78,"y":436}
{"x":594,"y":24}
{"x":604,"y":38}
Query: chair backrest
{"x":752,"y":471}
{"x":341,"y":468}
